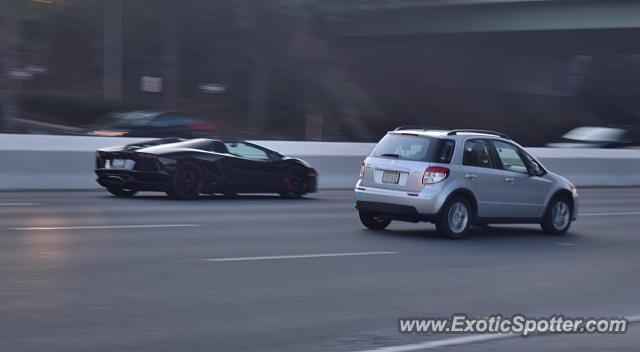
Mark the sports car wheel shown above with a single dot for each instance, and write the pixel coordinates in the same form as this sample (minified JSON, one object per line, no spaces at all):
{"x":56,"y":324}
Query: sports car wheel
{"x":187,"y":181}
{"x":121,"y":192}
{"x":293,"y":184}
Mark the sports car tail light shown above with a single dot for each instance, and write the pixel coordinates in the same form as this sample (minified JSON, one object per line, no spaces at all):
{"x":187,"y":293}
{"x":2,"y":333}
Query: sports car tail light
{"x":362,"y":167}
{"x":146,"y":156}
{"x":434,"y":174}
{"x":167,"y":162}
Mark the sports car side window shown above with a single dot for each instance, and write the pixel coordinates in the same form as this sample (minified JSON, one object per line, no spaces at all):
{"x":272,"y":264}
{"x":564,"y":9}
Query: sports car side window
{"x":217,"y":147}
{"x":246,"y":151}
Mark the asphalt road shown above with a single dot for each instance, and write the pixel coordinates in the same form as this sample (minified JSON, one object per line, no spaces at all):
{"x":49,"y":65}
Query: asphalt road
{"x":85,"y":271}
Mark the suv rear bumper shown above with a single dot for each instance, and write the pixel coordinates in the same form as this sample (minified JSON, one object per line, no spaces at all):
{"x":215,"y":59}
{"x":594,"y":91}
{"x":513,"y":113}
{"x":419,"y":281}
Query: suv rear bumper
{"x":395,"y":211}
{"x":423,"y":206}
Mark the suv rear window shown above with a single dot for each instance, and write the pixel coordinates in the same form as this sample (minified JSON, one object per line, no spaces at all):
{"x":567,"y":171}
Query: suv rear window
{"x":415,"y":148}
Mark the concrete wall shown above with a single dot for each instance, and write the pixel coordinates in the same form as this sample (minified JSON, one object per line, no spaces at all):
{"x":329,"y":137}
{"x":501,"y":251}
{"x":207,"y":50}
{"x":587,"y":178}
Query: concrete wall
{"x":29,"y":162}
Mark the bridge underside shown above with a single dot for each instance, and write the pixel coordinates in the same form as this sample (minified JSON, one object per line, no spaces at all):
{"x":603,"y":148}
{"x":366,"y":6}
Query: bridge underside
{"x":581,"y":42}
{"x":578,"y":27}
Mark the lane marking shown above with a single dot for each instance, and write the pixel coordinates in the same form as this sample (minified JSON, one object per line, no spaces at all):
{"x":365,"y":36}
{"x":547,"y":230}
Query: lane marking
{"x":17,"y":204}
{"x":611,"y":214}
{"x":634,"y":318}
{"x":462,"y":340}
{"x":442,"y":343}
{"x":565,"y":244}
{"x":99,"y":227}
{"x":297,"y":256}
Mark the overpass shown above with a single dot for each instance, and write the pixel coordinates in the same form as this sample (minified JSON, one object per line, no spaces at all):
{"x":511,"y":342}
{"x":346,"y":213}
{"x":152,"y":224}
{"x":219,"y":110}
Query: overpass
{"x":571,"y":26}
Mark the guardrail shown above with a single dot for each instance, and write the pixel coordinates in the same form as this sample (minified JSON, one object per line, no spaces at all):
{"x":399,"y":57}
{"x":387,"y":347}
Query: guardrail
{"x":43,"y":162}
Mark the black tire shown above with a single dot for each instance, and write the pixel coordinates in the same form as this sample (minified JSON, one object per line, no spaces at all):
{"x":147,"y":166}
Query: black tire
{"x":293,"y":184}
{"x":186,"y":181}
{"x":121,"y":192}
{"x":557,"y":216}
{"x":455,"y":219}
{"x":373,"y":221}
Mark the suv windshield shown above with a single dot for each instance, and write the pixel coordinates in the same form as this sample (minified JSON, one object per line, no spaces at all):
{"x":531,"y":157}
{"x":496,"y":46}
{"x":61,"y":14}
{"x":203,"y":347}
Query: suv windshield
{"x":415,"y":148}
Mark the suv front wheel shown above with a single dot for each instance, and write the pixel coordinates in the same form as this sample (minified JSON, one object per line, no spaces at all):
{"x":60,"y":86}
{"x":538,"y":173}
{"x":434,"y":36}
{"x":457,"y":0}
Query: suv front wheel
{"x":455,"y":219}
{"x":557,"y":218}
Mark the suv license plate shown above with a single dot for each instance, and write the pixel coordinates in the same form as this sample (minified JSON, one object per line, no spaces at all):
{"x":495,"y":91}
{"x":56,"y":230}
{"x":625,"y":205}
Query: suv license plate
{"x":390,"y":177}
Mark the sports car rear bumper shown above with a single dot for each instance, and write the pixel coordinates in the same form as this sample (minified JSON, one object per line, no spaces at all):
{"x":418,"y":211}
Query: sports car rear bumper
{"x":131,"y":179}
{"x":312,"y":184}
{"x":159,"y":181}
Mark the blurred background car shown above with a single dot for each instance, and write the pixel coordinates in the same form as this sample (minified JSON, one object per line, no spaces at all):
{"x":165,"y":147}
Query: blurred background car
{"x":599,"y":137}
{"x":153,"y":124}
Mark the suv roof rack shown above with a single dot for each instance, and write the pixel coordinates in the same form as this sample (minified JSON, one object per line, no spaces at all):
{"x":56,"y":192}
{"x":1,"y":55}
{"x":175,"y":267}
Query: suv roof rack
{"x":420,"y":127}
{"x":499,"y":134}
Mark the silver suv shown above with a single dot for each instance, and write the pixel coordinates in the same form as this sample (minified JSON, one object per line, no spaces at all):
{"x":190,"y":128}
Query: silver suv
{"x":456,"y":178}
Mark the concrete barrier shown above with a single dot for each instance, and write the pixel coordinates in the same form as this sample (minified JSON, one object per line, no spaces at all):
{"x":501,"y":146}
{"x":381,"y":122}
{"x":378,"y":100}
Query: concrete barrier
{"x":36,"y":162}
{"x":593,"y":167}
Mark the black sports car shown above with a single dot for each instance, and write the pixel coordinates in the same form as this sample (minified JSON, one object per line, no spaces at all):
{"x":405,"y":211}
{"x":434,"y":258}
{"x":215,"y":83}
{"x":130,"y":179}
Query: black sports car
{"x":184,"y":169}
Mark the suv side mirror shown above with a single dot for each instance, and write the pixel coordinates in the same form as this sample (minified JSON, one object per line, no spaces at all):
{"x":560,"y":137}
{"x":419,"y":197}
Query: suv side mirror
{"x":534,"y":169}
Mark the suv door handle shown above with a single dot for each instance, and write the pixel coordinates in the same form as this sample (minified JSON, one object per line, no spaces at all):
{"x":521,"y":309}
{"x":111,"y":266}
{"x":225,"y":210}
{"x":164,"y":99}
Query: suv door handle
{"x":471,"y":176}
{"x":509,"y":179}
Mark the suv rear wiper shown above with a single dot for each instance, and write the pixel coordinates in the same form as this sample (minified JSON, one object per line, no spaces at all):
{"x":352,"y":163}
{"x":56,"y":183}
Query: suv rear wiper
{"x":390,"y":155}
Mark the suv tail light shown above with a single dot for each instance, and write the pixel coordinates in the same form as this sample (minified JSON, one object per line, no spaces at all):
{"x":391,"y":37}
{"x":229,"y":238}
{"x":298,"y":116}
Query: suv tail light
{"x":434,"y":174}
{"x":362,"y":166}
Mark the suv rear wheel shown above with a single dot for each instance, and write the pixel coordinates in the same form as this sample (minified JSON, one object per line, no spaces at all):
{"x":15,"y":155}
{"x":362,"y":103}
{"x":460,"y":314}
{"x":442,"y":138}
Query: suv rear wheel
{"x":455,"y":219}
{"x":374,"y":221}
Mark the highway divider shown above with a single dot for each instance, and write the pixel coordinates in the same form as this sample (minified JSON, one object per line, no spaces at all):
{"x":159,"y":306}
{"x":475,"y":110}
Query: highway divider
{"x":45,"y":162}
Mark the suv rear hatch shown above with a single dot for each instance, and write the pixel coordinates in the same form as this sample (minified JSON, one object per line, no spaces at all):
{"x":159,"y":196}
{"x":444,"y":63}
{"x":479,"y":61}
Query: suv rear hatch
{"x":399,"y":161}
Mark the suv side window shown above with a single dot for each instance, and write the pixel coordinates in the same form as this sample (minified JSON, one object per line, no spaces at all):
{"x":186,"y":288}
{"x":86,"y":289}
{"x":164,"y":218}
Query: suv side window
{"x":477,"y":153}
{"x":534,"y":167}
{"x":510,"y":157}
{"x":446,"y":151}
